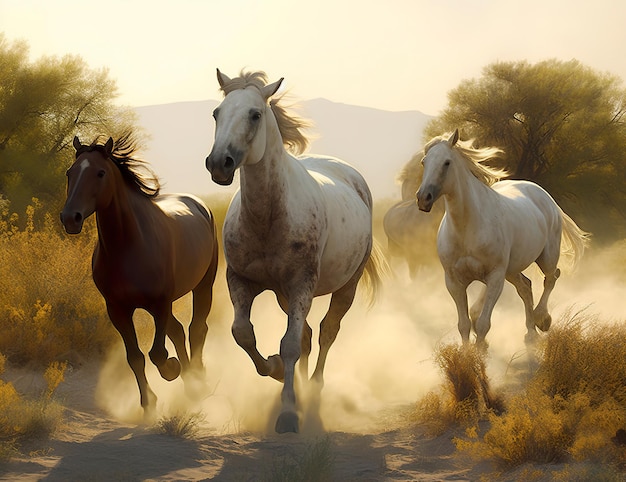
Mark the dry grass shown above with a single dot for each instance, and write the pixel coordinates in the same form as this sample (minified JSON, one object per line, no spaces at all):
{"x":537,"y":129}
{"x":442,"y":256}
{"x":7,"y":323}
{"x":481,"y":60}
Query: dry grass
{"x":180,"y":425}
{"x":573,"y":406}
{"x":24,"y":420}
{"x":465,"y":397}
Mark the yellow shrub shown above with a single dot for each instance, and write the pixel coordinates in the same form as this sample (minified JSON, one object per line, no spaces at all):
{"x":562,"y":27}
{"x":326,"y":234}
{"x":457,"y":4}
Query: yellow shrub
{"x":50,"y":308}
{"x":572,"y":407}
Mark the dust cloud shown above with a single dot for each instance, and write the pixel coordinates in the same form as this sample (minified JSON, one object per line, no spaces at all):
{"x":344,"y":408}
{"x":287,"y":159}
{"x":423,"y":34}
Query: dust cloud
{"x":381,"y":362}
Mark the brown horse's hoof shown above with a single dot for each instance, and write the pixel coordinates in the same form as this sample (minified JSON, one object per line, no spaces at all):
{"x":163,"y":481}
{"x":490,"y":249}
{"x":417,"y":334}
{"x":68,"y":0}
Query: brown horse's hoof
{"x":287,"y":422}
{"x":170,"y":369}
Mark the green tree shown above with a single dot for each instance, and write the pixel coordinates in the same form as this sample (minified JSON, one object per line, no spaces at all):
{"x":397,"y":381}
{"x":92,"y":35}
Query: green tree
{"x":43,"y":104}
{"x":560,"y":124}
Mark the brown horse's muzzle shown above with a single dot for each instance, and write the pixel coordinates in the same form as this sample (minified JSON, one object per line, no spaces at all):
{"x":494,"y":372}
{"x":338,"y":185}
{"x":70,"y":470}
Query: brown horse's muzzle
{"x":72,"y":221}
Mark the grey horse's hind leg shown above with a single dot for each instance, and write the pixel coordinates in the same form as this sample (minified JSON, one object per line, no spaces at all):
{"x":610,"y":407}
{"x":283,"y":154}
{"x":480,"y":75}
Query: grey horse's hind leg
{"x":340,"y":303}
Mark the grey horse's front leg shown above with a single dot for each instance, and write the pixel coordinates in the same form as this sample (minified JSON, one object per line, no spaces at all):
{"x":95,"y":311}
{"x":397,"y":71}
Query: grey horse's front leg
{"x":242,"y":294}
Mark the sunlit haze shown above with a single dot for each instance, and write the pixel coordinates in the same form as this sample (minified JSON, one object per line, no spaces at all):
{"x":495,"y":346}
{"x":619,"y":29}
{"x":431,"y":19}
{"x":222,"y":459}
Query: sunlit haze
{"x":392,"y":55}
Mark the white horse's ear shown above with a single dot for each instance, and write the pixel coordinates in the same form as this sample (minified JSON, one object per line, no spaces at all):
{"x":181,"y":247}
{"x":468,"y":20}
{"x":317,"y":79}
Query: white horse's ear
{"x":76,"y":143}
{"x":223,"y":79}
{"x":108,"y":147}
{"x":270,"y":89}
{"x":454,"y":138}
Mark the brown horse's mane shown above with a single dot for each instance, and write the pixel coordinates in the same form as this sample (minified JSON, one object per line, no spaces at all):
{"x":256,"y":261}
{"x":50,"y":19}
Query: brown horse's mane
{"x":135,"y":172}
{"x":290,"y":126}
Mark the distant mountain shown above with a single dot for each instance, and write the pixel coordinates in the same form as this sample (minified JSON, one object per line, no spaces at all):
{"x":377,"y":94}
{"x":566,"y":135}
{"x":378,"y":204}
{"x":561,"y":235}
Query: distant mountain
{"x":377,"y":142}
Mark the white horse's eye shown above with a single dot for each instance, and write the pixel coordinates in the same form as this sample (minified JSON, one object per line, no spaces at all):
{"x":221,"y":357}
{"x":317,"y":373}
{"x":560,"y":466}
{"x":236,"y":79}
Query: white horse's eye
{"x":255,"y":116}
{"x":447,"y":163}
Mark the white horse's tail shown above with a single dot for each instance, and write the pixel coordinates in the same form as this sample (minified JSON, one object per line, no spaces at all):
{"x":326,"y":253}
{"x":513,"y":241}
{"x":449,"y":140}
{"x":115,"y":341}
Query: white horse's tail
{"x":375,"y":268}
{"x":573,"y":241}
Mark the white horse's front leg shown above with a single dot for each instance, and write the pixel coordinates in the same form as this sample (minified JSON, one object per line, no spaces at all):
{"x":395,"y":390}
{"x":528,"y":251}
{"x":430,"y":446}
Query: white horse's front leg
{"x":458,"y":291}
{"x":242,"y":294}
{"x":493,"y":290}
{"x":290,"y":350}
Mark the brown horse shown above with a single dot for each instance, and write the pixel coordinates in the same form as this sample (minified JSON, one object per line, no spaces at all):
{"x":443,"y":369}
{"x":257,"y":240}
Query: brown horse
{"x":152,"y":249}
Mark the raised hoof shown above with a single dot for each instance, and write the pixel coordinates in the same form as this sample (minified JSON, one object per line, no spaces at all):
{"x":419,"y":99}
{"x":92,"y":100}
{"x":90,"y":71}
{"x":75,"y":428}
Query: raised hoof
{"x":544,"y":322}
{"x":277,"y":368}
{"x":287,"y":422}
{"x":170,"y":369}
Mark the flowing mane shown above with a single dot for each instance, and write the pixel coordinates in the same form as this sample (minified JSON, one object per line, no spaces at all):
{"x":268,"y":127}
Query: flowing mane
{"x":412,"y":170}
{"x":474,"y":159}
{"x":134,"y":171}
{"x":290,"y":126}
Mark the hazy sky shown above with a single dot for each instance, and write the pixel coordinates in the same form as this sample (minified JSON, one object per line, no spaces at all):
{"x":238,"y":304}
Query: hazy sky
{"x":389,"y":54}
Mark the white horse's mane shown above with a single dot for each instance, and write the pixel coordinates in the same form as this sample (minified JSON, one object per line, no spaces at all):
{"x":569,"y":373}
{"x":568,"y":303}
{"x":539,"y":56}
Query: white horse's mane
{"x":290,"y":126}
{"x":474,"y":158}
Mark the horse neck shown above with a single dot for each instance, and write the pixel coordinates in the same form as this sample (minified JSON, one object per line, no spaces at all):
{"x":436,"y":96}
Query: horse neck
{"x":118,"y":223}
{"x":264,"y":185}
{"x":467,"y":202}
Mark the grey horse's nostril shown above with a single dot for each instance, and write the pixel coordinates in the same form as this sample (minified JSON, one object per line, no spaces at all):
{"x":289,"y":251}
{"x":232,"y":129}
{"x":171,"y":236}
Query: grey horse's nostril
{"x":230,"y":162}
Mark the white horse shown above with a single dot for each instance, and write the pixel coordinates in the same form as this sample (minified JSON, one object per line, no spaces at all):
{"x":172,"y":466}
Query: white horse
{"x":300,"y":227}
{"x":492,"y":231}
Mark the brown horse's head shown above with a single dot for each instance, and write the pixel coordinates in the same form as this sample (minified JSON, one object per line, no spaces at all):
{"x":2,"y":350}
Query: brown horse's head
{"x":89,"y":184}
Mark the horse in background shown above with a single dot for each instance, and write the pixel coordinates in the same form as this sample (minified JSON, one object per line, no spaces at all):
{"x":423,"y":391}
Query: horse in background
{"x":300,"y":227}
{"x":152,"y":249}
{"x":411,"y":233}
{"x":492,"y":230}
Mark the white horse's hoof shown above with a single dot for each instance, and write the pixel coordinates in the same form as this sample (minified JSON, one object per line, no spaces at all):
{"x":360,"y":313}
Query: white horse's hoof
{"x":287,"y":422}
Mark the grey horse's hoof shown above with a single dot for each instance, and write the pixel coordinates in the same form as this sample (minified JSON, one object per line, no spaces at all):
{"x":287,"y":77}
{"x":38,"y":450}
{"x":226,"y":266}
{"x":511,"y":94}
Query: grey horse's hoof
{"x":287,"y":422}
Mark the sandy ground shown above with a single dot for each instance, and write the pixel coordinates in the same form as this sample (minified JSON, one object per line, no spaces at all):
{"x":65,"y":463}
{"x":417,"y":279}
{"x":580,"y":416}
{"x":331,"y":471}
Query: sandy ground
{"x":380,"y":365}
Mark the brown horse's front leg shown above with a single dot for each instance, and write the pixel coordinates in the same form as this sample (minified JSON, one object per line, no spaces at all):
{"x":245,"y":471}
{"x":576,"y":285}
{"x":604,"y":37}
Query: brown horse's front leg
{"x":164,"y":322}
{"x":122,"y":319}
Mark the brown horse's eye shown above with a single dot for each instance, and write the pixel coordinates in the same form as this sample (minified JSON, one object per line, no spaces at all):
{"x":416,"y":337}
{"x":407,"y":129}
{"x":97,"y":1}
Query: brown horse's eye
{"x":101,"y":173}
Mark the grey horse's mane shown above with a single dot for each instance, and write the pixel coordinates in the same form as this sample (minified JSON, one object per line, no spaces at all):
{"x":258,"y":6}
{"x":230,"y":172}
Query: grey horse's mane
{"x":290,"y":126}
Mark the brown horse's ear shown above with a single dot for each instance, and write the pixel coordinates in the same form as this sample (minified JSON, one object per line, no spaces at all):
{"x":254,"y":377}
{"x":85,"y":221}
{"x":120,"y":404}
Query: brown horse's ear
{"x":108,"y":147}
{"x":270,"y":89}
{"x":453,"y":138}
{"x":222,"y":79}
{"x":76,"y":143}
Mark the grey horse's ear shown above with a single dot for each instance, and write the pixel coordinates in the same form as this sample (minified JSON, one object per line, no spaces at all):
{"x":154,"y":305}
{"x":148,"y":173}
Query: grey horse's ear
{"x":454,"y":138}
{"x":108,"y":147}
{"x":222,"y":79}
{"x":270,"y":89}
{"x":76,"y":143}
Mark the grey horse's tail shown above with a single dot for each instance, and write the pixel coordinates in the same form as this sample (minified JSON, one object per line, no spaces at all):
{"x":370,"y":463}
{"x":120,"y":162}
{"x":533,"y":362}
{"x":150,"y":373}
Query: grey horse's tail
{"x":376,"y":268}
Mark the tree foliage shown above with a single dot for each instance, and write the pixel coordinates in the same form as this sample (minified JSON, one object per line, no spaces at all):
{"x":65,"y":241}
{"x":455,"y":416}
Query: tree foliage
{"x":560,"y":124}
{"x":43,"y":104}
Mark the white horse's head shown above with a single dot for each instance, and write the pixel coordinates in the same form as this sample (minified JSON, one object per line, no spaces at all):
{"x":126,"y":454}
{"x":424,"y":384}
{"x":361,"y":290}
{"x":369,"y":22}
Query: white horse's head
{"x":240,"y":126}
{"x":436,"y":162}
